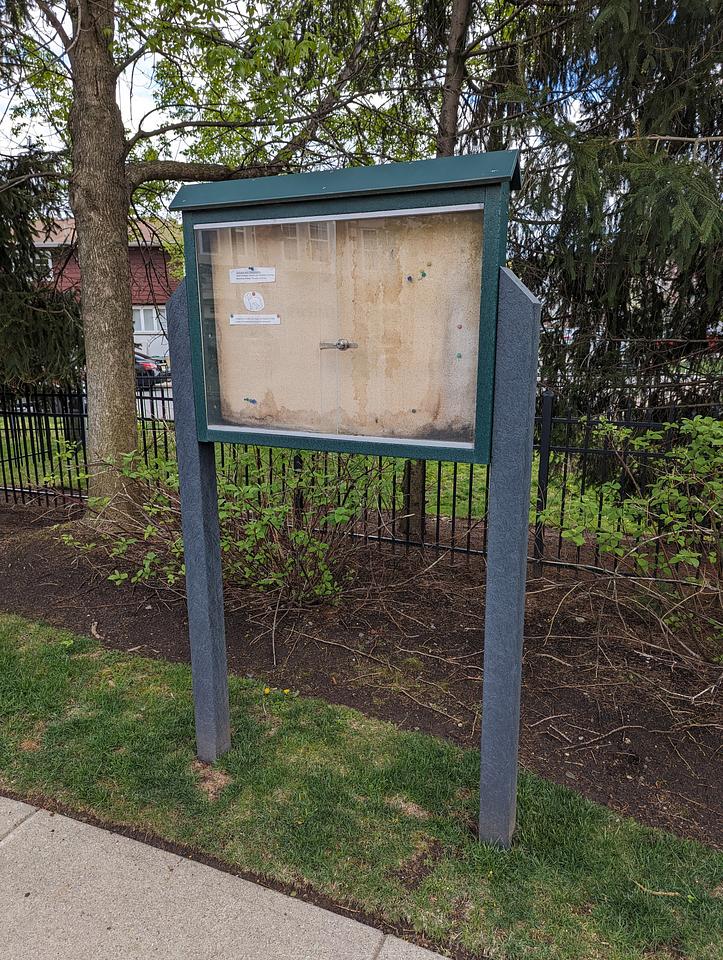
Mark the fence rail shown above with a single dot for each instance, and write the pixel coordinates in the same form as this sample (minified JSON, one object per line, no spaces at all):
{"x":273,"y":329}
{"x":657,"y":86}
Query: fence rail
{"x":43,"y":461}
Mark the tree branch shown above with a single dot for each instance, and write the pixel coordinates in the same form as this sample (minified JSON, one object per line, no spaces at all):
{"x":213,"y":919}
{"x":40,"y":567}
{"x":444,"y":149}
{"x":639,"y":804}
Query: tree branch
{"x":131,"y":58}
{"x":220,"y":124}
{"x":665,"y":137}
{"x":190,"y":171}
{"x":334,"y":95}
{"x":473,"y":51}
{"x":497,"y":28}
{"x":142,"y":171}
{"x":54,"y":22}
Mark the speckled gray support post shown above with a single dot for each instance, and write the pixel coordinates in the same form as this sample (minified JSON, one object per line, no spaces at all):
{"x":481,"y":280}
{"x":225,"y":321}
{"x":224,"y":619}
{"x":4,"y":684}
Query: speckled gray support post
{"x":201,"y":544}
{"x":518,"y":332}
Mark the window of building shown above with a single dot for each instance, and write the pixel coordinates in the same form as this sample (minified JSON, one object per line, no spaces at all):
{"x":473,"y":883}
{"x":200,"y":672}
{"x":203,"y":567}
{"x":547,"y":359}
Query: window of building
{"x":150,"y":319}
{"x":290,"y":244}
{"x":49,"y":272}
{"x":209,"y":240}
{"x":319,"y":236}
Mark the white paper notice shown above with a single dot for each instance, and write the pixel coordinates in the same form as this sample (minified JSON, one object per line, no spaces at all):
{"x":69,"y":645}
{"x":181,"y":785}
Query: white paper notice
{"x":252,"y":275}
{"x":253,"y":301}
{"x":266,"y":318}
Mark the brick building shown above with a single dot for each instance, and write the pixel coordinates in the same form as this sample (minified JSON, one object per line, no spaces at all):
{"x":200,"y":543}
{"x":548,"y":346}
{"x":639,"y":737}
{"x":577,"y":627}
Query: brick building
{"x":151,"y":280}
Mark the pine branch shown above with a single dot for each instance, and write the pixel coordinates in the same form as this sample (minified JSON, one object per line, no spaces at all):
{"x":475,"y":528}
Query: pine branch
{"x":474,"y":46}
{"x":35,"y":175}
{"x":666,"y":137}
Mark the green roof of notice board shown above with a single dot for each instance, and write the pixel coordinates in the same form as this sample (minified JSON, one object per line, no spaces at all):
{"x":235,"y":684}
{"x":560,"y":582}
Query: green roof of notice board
{"x":472,"y":169}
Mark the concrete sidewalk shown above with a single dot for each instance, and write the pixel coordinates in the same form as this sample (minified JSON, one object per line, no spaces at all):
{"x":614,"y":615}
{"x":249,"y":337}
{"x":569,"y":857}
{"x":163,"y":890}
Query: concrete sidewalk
{"x":70,"y":891}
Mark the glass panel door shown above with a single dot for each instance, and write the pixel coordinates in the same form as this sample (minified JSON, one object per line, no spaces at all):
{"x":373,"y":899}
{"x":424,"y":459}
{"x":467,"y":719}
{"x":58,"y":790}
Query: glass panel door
{"x":410,"y":303}
{"x":269,"y":292}
{"x":359,"y":326}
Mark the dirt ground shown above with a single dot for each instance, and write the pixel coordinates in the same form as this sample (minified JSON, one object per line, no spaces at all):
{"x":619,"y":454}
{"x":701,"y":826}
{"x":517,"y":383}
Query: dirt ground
{"x":609,"y":707}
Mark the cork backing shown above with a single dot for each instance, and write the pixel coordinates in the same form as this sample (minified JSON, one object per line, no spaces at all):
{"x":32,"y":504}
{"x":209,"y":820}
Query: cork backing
{"x":404,"y":289}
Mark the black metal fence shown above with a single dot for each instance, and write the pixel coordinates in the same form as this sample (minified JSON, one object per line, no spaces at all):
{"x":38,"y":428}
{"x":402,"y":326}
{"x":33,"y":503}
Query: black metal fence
{"x":441,"y":506}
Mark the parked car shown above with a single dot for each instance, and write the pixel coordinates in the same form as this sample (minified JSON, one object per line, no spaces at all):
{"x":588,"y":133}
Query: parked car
{"x":149,"y":372}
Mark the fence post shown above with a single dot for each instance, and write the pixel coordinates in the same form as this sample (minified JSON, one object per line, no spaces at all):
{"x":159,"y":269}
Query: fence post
{"x":543,"y":473}
{"x":201,"y":547}
{"x":414,"y":482}
{"x":298,"y":512}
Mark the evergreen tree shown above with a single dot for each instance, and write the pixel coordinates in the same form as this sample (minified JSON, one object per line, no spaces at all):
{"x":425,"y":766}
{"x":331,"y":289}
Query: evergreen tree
{"x":41,"y":337}
{"x":617,"y":108}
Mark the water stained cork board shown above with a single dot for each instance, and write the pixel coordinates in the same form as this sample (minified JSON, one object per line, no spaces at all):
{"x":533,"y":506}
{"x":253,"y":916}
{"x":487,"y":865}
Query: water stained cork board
{"x":401,"y":292}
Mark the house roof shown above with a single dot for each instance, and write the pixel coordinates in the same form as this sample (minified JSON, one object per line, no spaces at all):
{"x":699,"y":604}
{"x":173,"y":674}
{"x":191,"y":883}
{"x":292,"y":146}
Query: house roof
{"x":469,"y":170}
{"x":150,"y":233}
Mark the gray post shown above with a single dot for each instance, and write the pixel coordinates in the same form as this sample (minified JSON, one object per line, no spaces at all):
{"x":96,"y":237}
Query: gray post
{"x":201,"y":546}
{"x":518,"y":331}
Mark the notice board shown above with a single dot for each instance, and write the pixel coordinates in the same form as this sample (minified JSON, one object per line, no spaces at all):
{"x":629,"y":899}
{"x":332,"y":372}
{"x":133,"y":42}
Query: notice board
{"x":348,"y":326}
{"x":350,"y":310}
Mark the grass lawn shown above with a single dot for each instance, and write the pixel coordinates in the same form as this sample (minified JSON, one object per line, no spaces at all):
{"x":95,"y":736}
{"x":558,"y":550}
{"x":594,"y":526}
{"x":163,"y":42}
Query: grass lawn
{"x":322,"y":798}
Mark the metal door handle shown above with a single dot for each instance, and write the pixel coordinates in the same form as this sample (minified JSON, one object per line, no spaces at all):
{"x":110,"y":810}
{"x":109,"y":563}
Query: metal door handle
{"x":338,"y":345}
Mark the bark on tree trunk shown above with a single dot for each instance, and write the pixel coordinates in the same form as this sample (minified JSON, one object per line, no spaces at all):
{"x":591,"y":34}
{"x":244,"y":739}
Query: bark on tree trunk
{"x":453,"y":77}
{"x":415,"y":470}
{"x":99,"y":198}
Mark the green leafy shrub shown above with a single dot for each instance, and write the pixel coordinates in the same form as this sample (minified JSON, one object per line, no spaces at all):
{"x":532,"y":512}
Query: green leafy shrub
{"x":664,"y":507}
{"x":286,"y":523}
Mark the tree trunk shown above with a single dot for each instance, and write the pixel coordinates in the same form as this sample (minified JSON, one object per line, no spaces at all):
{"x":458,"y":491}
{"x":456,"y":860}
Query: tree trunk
{"x":453,"y":77}
{"x":415,"y":470}
{"x":99,"y":198}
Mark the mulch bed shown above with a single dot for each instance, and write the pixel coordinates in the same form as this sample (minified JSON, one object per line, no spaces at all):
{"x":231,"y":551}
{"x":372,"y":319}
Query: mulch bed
{"x":604,"y":710}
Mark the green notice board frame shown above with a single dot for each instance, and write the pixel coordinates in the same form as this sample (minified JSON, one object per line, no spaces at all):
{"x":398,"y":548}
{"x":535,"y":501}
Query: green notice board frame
{"x":447,"y":182}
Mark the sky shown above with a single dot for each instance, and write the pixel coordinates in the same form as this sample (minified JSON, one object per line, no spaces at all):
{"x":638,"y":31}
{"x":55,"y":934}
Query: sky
{"x":135,"y":100}
{"x":135,"y":97}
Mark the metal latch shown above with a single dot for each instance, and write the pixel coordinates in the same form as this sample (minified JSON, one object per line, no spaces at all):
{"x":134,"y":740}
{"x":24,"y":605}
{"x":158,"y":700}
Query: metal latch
{"x":338,"y":345}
